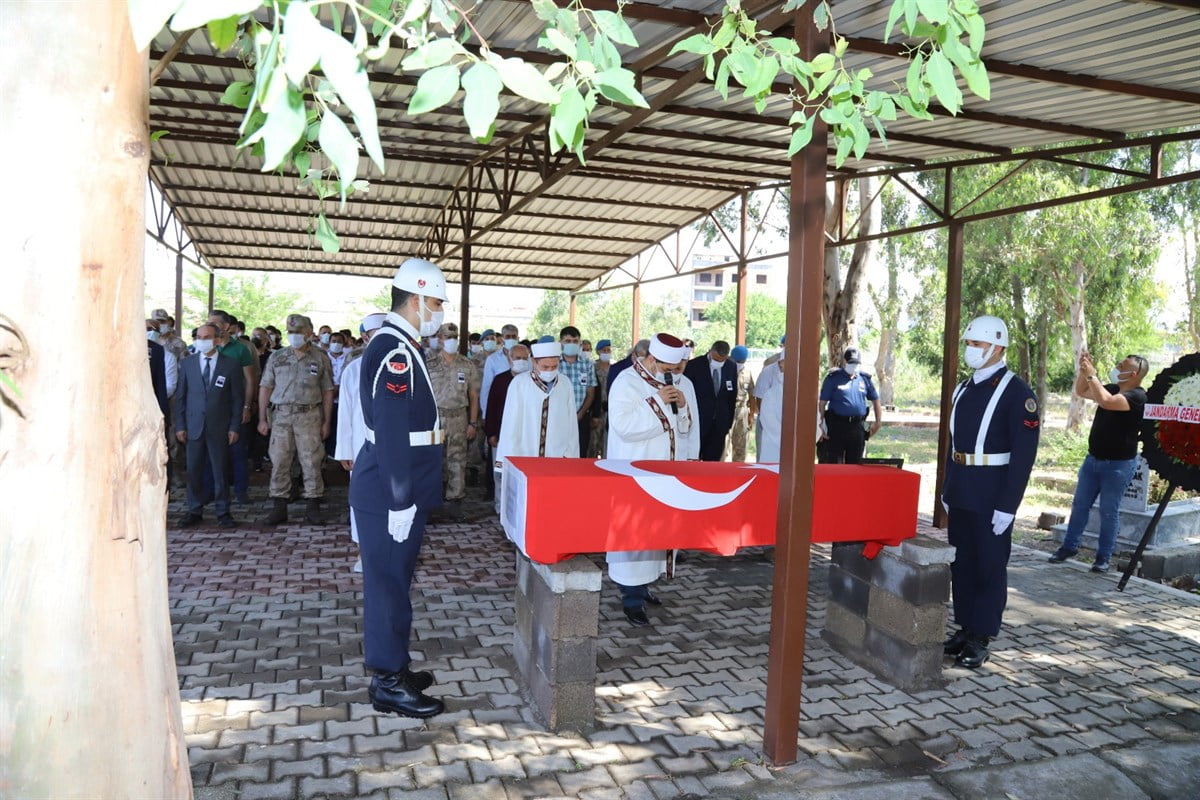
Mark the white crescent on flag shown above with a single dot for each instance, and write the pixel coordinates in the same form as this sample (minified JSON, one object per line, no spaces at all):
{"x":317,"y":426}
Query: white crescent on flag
{"x":669,"y":490}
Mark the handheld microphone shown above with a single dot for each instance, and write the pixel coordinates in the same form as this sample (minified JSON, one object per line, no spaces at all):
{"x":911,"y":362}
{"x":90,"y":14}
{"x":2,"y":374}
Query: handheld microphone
{"x":669,"y":378}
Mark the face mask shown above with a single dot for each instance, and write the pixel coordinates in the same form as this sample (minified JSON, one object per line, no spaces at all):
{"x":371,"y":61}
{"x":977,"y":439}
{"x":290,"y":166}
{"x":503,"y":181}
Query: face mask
{"x":324,"y":338}
{"x":450,"y":345}
{"x":976,"y":357}
{"x":489,"y":346}
{"x":474,"y":349}
{"x":336,"y":348}
{"x":661,"y":377}
{"x":521,"y":365}
{"x":257,"y":341}
{"x":571,"y":349}
{"x":165,"y":329}
{"x":509,"y":344}
{"x":296,"y":339}
{"x":548,"y":375}
{"x":586,"y":353}
{"x":781,"y":353}
{"x":852,"y":369}
{"x":203,"y":346}
{"x":435,"y":344}
{"x":606,"y":357}
{"x":1115,"y":375}
{"x":274,"y":338}
{"x":741,"y":365}
{"x":429,"y":327}
{"x":152,"y":335}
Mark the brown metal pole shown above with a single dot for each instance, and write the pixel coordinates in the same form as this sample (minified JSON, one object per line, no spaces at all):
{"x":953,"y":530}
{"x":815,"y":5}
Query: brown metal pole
{"x":954,"y":260}
{"x":212,"y":282}
{"x":743,"y":290}
{"x":571,"y":312}
{"x":179,"y":295}
{"x":637,"y":311}
{"x":789,"y":601}
{"x":464,"y":314}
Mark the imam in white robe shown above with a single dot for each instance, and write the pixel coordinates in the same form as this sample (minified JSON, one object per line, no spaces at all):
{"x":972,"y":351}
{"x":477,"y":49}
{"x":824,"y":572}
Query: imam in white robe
{"x":691,"y":440}
{"x":537,"y":423}
{"x":351,"y":429}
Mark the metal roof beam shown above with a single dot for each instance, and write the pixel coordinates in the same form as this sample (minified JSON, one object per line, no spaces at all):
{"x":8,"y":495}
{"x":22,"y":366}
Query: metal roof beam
{"x":388,"y":271}
{"x":475,"y":258}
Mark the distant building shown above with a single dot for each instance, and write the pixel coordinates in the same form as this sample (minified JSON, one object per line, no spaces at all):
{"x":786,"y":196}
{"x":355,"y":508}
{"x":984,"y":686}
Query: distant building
{"x":709,"y":287}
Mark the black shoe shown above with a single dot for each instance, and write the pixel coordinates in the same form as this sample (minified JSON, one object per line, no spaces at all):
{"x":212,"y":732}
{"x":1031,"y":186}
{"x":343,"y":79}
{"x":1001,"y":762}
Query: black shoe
{"x":637,"y":616}
{"x":419,"y":680}
{"x":278,"y":512}
{"x":188,"y":520}
{"x":396,"y":693}
{"x":312,"y":513}
{"x":652,"y":599}
{"x":1062,"y":554}
{"x":974,"y":653}
{"x":1101,"y":566}
{"x":226,"y":521}
{"x":955,"y":644}
{"x":294,"y":495}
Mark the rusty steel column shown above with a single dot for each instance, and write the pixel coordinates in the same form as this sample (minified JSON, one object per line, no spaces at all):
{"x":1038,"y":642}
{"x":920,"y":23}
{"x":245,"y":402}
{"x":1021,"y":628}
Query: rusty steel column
{"x":637,"y":312}
{"x":179,"y":294}
{"x":212,"y":282}
{"x":743,"y":272}
{"x":464,"y":332}
{"x":954,"y":261}
{"x":571,"y":312}
{"x":789,"y":600}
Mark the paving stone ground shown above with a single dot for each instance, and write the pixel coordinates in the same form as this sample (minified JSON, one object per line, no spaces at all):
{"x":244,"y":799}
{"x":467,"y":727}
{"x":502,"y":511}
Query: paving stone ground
{"x":268,"y":642}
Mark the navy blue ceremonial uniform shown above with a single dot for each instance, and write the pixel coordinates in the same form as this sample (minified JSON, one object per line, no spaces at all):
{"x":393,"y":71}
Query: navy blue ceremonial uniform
{"x":400,"y":468}
{"x":973,"y":490}
{"x":847,"y":396}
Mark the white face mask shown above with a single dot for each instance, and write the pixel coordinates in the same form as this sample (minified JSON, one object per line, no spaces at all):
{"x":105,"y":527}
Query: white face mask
{"x":336,"y":348}
{"x":1116,"y":376}
{"x":274,"y":338}
{"x":509,"y":344}
{"x":606,"y":357}
{"x":324,"y":338}
{"x":450,"y":345}
{"x":661,"y":377}
{"x":474,"y":349}
{"x":570,"y":349}
{"x":548,"y":375}
{"x":429,"y":327}
{"x":296,"y":339}
{"x":741,"y":365}
{"x":852,"y":369}
{"x":165,"y":329}
{"x":152,"y":335}
{"x":521,"y":365}
{"x":489,"y":346}
{"x":203,"y":346}
{"x":976,"y":357}
{"x":586,"y":353}
{"x":435,"y":344}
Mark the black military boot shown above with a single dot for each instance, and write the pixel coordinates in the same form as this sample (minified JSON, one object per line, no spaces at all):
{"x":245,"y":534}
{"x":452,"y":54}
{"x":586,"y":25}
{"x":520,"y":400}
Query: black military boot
{"x":278,"y":511}
{"x":397,"y":693}
{"x":954,"y":645}
{"x":974,"y":652}
{"x":312,"y":512}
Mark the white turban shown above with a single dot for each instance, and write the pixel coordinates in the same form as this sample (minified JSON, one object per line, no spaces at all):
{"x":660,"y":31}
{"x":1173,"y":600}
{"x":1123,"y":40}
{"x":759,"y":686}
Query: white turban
{"x":546,"y":350}
{"x":667,"y":349}
{"x":372,"y":322}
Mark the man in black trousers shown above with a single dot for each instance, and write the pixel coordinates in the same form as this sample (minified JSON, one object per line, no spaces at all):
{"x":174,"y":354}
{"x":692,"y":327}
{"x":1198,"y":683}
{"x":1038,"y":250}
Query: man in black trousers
{"x":714,"y":377}
{"x":208,"y":417}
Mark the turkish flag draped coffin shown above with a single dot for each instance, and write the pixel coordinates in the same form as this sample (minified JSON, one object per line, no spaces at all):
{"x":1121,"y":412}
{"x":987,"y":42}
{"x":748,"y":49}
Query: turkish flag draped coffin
{"x":553,"y":508}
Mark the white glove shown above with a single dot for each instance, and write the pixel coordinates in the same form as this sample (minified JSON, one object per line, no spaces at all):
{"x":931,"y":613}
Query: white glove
{"x":1001,"y":521}
{"x":400,"y":522}
{"x":945,"y":505}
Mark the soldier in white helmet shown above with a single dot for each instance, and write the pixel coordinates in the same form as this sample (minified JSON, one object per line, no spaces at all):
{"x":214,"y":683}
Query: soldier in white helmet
{"x":396,"y":482}
{"x":994,"y":427}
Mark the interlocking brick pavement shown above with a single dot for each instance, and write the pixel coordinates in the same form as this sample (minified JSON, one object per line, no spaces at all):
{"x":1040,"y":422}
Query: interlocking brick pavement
{"x":268,"y":643}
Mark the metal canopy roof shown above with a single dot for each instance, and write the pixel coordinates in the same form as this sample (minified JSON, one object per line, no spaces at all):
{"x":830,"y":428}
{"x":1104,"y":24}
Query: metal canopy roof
{"x":1061,"y":71}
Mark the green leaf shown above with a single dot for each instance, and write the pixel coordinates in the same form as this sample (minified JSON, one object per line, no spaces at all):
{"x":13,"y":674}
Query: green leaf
{"x":722,"y":81}
{"x":148,"y":17}
{"x":913,"y":108}
{"x":223,"y":32}
{"x":567,"y":21}
{"x":975,"y":33}
{"x":934,"y":10}
{"x":725,"y":35}
{"x":977,"y":80}
{"x":432,"y":54}
{"x":413,"y":11}
{"x":823,"y":62}
{"x":382,"y":8}
{"x":783,"y":45}
{"x":195,"y":13}
{"x":604,"y":53}
{"x":435,"y":88}
{"x":941,"y":77}
{"x":862,"y":137}
{"x":801,"y":136}
{"x":156,"y":135}
{"x":340,"y":147}
{"x":764,"y":77}
{"x":237,"y":94}
{"x":303,"y":161}
{"x":832,"y":116}
{"x":844,"y":145}
{"x":482,"y":85}
{"x":304,"y":39}
{"x":615,"y":28}
{"x":341,"y":66}
{"x":893,"y":18}
{"x":284,"y":127}
{"x":821,"y":16}
{"x":524,"y":80}
{"x":326,"y":236}
{"x":545,"y":10}
{"x":912,"y":79}
{"x":561,"y":43}
{"x":700,"y":44}
{"x":618,"y":85}
{"x":821,"y":84}
{"x":569,"y":117}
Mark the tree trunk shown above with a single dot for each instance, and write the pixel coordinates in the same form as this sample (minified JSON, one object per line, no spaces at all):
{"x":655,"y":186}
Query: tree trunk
{"x":1021,"y":324}
{"x":1043,"y":350}
{"x":91,"y":700}
{"x":888,"y":309}
{"x":1075,"y":412}
{"x":840,"y":309}
{"x":1190,"y":234}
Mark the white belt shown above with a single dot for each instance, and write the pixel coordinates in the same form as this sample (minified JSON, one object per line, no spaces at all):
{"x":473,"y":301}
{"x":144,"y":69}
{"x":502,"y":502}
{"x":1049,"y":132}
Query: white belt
{"x":415,"y":438}
{"x":981,"y":459}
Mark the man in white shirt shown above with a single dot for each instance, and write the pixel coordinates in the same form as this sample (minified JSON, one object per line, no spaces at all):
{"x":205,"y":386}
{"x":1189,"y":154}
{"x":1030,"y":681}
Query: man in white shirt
{"x":647,"y":420}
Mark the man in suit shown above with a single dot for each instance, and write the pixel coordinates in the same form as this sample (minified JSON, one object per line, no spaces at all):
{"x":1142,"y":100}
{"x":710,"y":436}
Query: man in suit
{"x":714,"y":377}
{"x":209,"y":404}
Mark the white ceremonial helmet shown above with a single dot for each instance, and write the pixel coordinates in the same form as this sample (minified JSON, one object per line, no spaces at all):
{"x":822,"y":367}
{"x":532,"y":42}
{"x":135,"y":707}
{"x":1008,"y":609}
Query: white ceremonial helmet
{"x":987,"y":329}
{"x":421,"y":277}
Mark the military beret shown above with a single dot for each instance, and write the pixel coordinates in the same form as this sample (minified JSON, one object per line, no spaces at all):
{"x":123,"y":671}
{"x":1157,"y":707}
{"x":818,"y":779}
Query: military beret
{"x":299,"y":321}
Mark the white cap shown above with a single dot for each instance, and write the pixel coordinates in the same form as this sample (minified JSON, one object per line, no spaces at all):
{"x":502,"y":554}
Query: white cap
{"x":546,"y":350}
{"x":421,"y":277}
{"x":372,"y":322}
{"x":667,"y":349}
{"x":987,"y":329}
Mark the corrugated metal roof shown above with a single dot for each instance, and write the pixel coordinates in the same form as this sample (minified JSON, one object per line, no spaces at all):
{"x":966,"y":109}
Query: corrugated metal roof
{"x":1060,"y":71}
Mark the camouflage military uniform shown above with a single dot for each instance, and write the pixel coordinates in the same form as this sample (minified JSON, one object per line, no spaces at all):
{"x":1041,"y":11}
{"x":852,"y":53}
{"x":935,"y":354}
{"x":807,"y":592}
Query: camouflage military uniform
{"x":740,"y":431}
{"x":299,"y":382}
{"x":453,"y":382}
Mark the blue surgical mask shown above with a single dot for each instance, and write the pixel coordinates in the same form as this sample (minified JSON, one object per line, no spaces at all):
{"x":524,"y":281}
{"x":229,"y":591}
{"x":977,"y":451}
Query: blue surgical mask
{"x":570,"y":349}
{"x":509,"y":344}
{"x":489,"y":346}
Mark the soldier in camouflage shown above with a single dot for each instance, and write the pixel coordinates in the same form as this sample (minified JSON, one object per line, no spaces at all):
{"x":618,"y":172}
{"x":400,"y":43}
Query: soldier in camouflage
{"x":455,"y":380}
{"x":743,"y":411}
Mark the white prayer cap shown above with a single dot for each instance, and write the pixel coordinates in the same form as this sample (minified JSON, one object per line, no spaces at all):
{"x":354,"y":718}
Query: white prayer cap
{"x":372,"y":322}
{"x":546,"y":350}
{"x":667,"y":349}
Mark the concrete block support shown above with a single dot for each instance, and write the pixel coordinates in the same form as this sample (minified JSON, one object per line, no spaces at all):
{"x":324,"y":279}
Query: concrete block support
{"x":554,"y":645}
{"x":889,"y":613}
